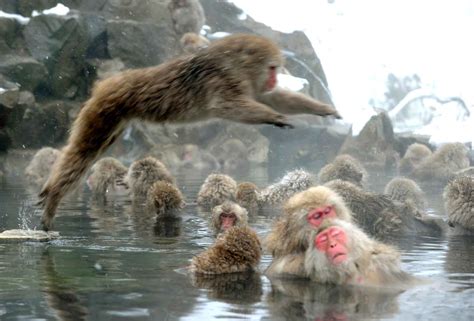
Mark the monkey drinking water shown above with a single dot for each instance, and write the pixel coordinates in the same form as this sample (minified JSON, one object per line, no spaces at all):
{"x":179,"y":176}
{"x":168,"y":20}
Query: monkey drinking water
{"x":234,"y":78}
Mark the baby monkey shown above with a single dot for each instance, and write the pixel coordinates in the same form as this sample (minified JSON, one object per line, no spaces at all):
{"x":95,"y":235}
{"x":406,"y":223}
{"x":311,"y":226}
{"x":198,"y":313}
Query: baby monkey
{"x":227,"y":215}
{"x":234,"y":78}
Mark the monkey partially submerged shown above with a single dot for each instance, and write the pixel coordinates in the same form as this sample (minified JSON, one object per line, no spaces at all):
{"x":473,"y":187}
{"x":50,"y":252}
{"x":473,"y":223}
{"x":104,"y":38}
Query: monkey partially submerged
{"x":227,"y":215}
{"x":234,"y":78}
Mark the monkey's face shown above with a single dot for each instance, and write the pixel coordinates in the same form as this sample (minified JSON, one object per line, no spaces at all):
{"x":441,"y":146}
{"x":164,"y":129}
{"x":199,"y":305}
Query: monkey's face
{"x":272,"y":78}
{"x":316,"y":216}
{"x":333,"y":242}
{"x":227,"y":220}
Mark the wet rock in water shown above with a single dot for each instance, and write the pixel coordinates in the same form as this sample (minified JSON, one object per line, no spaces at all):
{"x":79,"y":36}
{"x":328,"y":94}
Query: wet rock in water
{"x":126,"y":39}
{"x":16,"y":236}
{"x":375,"y":146}
{"x":26,"y":71}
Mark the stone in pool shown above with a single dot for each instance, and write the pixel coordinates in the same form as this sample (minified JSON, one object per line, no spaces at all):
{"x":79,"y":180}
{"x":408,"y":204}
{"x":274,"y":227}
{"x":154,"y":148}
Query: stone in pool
{"x":15,"y":236}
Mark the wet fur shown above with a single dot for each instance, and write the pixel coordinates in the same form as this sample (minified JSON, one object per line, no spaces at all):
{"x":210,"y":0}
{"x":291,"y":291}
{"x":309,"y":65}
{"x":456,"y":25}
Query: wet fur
{"x":39,"y":168}
{"x":247,"y":196}
{"x":164,"y":199}
{"x":414,"y":155}
{"x":459,"y":203}
{"x":228,"y":207}
{"x":216,"y":189}
{"x":106,"y":173}
{"x":344,"y":167}
{"x":236,"y":250}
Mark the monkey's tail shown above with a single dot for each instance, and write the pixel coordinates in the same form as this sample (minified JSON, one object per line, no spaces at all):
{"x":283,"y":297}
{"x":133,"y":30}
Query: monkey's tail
{"x":93,"y":131}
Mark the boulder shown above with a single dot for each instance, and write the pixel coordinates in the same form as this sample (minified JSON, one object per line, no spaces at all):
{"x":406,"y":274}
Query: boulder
{"x":26,"y":71}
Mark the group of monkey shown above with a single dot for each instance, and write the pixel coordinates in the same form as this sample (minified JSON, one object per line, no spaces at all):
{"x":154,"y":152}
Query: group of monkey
{"x":325,"y":233}
{"x":330,"y":229}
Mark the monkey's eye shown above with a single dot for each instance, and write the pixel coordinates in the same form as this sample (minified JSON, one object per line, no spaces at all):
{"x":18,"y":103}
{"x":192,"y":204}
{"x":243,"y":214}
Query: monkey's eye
{"x":322,"y":239}
{"x":273,"y":68}
{"x":327,"y":210}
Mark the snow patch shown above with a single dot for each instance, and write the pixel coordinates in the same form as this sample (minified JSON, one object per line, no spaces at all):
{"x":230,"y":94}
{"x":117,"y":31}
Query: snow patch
{"x":59,"y":10}
{"x":17,"y":17}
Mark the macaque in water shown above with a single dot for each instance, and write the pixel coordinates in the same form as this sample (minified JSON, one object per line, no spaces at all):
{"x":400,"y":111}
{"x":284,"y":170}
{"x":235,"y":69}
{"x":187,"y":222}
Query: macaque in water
{"x":187,"y":15}
{"x":192,"y":42}
{"x":459,"y":204}
{"x":238,"y":249}
{"x":414,"y":155}
{"x":216,"y":189}
{"x":380,"y":216}
{"x":234,"y":78}
{"x":106,"y":177}
{"x":290,"y":184}
{"x":303,"y":213}
{"x":443,"y":164}
{"x":38,"y":169}
{"x":164,"y":199}
{"x":344,"y":167}
{"x":226,"y":215}
{"x":405,"y":190}
{"x":143,"y":173}
{"x":341,"y":253}
{"x":247,"y":196}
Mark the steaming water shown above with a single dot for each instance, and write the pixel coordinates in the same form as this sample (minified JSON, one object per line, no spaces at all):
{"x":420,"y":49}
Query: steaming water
{"x":109,"y":265}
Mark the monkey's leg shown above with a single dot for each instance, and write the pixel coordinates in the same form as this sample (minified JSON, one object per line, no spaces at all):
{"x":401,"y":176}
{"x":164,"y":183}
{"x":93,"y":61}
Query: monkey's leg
{"x":251,"y":112}
{"x":93,"y":131}
{"x":289,"y":102}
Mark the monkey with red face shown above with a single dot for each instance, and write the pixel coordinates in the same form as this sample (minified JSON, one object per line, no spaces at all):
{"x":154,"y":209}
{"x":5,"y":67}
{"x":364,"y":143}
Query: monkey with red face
{"x":341,"y":253}
{"x":227,"y":215}
{"x":234,"y":78}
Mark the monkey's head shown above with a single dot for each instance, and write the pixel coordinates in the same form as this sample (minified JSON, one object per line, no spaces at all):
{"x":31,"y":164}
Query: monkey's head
{"x":257,"y":57}
{"x":106,"y":173}
{"x":227,"y":215}
{"x":164,"y":197}
{"x":459,"y":201}
{"x":247,"y":192}
{"x":315,"y":205}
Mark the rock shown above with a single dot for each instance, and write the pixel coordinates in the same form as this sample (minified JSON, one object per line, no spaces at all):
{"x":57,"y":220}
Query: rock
{"x":17,"y":236}
{"x":8,"y":32}
{"x":126,"y":39}
{"x":60,"y":43}
{"x":375,"y":146}
{"x":105,"y":68}
{"x":43,"y":124}
{"x":26,"y":71}
{"x":5,"y":140}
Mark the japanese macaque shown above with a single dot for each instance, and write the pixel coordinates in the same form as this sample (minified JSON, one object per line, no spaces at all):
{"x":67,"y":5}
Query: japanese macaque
{"x":192,"y":42}
{"x":216,"y":189}
{"x":344,"y":167}
{"x":187,"y":15}
{"x":232,"y":156}
{"x":380,"y":216}
{"x":459,"y":204}
{"x":234,"y":78}
{"x":341,"y":253}
{"x":164,"y":199}
{"x":238,"y":249}
{"x":247,"y":196}
{"x":38,"y":169}
{"x":303,"y":213}
{"x":106,"y":177}
{"x":143,"y":173}
{"x":443,"y":164}
{"x":405,"y":190}
{"x":193,"y":157}
{"x":290,"y":184}
{"x":414,"y":155}
{"x":226,"y":215}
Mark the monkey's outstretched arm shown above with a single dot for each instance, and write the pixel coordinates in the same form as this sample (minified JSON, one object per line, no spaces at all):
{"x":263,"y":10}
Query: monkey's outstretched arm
{"x":289,"y":102}
{"x":250,"y":112}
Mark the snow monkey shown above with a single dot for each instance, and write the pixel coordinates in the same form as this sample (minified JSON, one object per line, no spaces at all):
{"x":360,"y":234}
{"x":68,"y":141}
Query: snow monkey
{"x":164,"y":199}
{"x":344,"y":167}
{"x":226,"y":215}
{"x":341,"y":253}
{"x":414,"y":155}
{"x":458,"y":198}
{"x":236,"y":250}
{"x":107,"y":177}
{"x":216,"y":189}
{"x":303,"y":213}
{"x":234,"y":78}
{"x":38,"y":169}
{"x":247,"y":196}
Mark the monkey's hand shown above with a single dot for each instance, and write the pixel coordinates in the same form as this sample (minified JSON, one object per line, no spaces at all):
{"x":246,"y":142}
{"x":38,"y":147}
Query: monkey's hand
{"x":281,"y":124}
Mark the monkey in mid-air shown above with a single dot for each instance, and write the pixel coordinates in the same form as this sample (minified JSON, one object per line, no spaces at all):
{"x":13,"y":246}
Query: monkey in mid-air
{"x":234,"y":78}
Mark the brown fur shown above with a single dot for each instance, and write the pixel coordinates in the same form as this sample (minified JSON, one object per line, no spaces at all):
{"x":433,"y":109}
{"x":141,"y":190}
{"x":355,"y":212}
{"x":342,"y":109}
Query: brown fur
{"x":192,"y":42}
{"x":459,"y":203}
{"x":143,"y":173}
{"x":288,"y":239}
{"x":369,"y":262}
{"x":380,"y":216}
{"x":247,"y":196}
{"x":165,"y":199}
{"x":106,"y":174}
{"x":226,"y":80}
{"x":344,"y":167}
{"x":443,"y":164}
{"x":187,"y":15}
{"x":216,"y":189}
{"x":228,"y":207}
{"x":405,"y":190}
{"x":236,"y":250}
{"x":38,"y":169}
{"x":414,"y":155}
